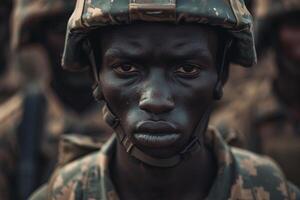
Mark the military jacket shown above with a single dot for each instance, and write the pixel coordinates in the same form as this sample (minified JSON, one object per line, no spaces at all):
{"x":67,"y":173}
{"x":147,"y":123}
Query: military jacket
{"x":58,"y":121}
{"x":241,"y":175}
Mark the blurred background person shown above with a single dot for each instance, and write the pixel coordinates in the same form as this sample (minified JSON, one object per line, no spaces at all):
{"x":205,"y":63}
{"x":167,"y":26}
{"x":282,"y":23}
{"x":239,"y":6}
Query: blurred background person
{"x":51,"y":102}
{"x":277,"y":121}
{"x":236,"y":94}
{"x":267,"y":112}
{"x":8,"y":76}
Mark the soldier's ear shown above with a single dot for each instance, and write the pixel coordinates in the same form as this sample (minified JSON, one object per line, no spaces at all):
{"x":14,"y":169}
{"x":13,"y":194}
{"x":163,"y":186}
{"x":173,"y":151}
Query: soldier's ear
{"x":98,"y":95}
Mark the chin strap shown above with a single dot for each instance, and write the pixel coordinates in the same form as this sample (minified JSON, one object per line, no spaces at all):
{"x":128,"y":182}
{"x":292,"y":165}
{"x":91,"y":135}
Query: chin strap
{"x":192,"y":147}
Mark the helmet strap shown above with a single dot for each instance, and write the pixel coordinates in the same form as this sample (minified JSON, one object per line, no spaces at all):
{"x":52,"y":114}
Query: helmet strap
{"x":192,"y":147}
{"x":97,"y":92}
{"x":218,"y":90}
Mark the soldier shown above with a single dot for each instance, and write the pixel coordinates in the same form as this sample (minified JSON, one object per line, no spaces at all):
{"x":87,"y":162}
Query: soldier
{"x":159,"y":65}
{"x":277,"y":121}
{"x":267,"y":112}
{"x":8,"y":77}
{"x":50,"y":104}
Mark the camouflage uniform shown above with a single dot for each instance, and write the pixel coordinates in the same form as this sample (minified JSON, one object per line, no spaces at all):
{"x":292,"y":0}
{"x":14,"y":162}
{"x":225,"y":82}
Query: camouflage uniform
{"x":59,"y":119}
{"x":266,"y":124}
{"x":241,"y":175}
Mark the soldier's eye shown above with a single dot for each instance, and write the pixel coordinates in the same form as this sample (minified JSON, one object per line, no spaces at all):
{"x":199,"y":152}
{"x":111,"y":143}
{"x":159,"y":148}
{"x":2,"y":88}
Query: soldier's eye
{"x":125,"y":69}
{"x":188,"y":70}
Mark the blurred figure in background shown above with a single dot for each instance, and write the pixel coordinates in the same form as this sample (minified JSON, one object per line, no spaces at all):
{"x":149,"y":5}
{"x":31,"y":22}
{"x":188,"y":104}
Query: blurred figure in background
{"x":233,"y":91}
{"x":277,"y":121}
{"x":267,"y":112}
{"x":8,"y":77}
{"x":46,"y":108}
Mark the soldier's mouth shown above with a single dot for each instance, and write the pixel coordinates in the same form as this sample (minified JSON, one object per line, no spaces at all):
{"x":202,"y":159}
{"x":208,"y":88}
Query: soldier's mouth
{"x":156,"y":134}
{"x":156,"y":140}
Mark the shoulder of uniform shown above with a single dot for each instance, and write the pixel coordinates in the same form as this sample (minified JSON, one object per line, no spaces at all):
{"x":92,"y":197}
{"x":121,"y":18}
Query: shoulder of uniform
{"x":261,"y":174}
{"x":253,"y":165}
{"x":241,"y":154}
{"x":69,"y":180}
{"x":11,"y":111}
{"x":74,"y":146}
{"x":294,"y":191}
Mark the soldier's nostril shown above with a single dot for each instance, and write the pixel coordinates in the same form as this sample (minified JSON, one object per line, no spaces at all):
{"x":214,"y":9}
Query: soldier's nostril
{"x":156,"y":105}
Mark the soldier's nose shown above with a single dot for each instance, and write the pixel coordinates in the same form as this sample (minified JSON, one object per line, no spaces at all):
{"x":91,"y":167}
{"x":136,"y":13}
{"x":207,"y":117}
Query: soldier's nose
{"x":156,"y":101}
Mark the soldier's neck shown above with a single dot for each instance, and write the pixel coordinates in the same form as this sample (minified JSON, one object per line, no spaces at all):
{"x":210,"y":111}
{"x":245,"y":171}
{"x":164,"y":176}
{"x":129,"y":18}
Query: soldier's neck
{"x":191,"y":179}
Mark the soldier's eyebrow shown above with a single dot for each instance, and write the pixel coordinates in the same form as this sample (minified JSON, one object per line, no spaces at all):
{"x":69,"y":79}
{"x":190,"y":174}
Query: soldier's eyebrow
{"x":193,"y":52}
{"x":190,"y":51}
{"x":119,"y":52}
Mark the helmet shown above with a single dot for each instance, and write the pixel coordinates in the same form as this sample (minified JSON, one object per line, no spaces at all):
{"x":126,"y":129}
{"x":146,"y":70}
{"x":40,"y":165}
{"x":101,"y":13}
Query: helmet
{"x":229,"y":15}
{"x":27,"y":13}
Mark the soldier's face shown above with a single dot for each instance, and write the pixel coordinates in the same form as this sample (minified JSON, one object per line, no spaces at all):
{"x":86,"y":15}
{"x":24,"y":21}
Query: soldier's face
{"x":158,"y":79}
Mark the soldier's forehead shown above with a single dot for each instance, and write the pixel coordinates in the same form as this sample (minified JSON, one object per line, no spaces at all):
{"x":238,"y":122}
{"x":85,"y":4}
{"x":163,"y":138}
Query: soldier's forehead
{"x":175,"y":35}
{"x":179,"y":42}
{"x":152,"y":29}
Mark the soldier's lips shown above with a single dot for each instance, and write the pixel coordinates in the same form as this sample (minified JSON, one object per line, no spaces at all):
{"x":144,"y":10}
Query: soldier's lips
{"x":156,"y":134}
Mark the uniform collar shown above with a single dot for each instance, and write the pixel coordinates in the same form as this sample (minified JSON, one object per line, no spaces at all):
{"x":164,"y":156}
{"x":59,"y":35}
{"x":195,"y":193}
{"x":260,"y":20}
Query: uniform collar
{"x":221,"y":188}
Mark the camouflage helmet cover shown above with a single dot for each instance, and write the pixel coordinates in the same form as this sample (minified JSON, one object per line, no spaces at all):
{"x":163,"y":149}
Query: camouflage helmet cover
{"x":230,"y":15}
{"x":32,"y":11}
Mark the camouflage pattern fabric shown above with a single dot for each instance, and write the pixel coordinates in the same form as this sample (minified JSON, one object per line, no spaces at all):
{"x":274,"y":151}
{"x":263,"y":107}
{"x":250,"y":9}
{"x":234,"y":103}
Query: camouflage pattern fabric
{"x":277,"y":130}
{"x":27,"y":15}
{"x":72,"y":147}
{"x":241,"y":175}
{"x":59,"y":121}
{"x":230,"y":15}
